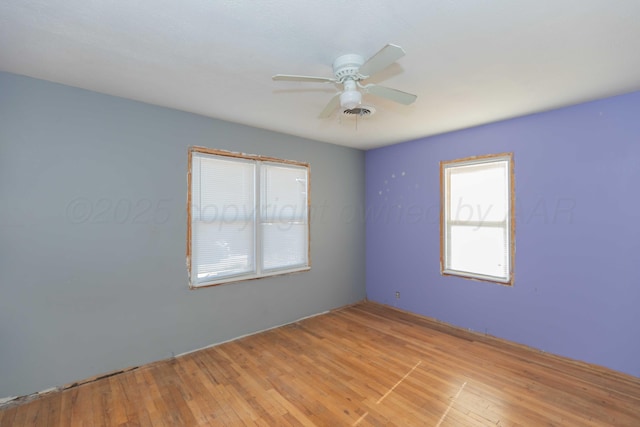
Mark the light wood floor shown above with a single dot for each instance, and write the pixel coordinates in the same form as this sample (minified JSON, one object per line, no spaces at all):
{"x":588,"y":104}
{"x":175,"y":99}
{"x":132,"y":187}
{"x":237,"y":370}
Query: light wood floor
{"x":363,"y":365}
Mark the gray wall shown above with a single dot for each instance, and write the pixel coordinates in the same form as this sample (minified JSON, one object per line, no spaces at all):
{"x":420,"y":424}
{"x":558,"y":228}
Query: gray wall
{"x":93,"y":232}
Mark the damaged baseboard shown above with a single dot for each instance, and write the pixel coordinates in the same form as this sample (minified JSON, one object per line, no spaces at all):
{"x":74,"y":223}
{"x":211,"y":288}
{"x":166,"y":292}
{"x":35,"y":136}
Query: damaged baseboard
{"x":18,"y":400}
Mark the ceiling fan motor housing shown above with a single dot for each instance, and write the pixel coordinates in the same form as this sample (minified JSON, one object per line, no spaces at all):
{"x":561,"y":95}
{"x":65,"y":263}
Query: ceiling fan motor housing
{"x":347,"y":66}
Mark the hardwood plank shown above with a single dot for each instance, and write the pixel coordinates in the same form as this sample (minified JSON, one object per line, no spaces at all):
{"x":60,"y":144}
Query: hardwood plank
{"x":173,"y":395}
{"x":64,"y":417}
{"x":199,"y":403}
{"x":55,"y":403}
{"x":38,"y":415}
{"x":364,"y":365}
{"x":8,"y":416}
{"x":154,"y":402}
{"x":20,"y":416}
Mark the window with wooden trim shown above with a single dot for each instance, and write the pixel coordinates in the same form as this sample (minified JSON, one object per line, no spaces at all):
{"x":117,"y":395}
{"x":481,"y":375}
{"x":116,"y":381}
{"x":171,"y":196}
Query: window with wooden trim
{"x":248,"y":217}
{"x":477,"y":218}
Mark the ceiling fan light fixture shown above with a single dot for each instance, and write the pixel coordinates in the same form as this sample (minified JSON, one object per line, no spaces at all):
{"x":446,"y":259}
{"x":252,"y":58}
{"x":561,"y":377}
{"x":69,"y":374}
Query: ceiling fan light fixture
{"x":350,"y":99}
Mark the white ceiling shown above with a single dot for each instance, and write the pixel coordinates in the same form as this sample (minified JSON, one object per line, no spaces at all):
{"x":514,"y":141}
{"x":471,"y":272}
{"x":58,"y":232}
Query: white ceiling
{"x":469,"y":61}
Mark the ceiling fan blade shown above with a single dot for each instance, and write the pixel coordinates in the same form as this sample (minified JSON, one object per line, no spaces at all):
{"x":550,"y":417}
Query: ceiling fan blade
{"x":381,"y":60}
{"x":331,"y":106}
{"x":392,"y":94}
{"x":292,"y":78}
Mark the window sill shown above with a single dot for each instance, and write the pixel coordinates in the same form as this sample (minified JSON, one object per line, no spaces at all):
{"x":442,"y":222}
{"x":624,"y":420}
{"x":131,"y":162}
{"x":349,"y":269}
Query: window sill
{"x":246,"y":277}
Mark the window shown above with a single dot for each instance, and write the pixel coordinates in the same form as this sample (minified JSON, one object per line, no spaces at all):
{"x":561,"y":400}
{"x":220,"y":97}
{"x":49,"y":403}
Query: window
{"x":477,"y":225}
{"x":248,"y":217}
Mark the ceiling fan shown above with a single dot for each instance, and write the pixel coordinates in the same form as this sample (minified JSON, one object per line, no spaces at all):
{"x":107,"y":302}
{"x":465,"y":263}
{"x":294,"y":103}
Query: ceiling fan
{"x":349,"y":71}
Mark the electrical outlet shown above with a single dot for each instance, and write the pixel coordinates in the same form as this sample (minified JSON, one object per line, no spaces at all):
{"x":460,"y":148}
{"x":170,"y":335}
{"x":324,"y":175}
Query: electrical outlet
{"x":397,"y":295}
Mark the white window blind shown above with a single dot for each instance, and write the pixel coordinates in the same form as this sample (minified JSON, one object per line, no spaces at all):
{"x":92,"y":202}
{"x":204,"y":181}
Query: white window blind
{"x":248,"y":218}
{"x":283,"y":216}
{"x":477,"y":218}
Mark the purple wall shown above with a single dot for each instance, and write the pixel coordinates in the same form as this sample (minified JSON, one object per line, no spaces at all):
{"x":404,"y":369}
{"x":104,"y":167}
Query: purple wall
{"x":577,"y":289}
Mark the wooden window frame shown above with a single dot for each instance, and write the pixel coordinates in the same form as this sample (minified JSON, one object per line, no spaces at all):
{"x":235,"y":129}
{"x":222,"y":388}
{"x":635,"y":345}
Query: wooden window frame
{"x":255,"y":158}
{"x":511,"y":213}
